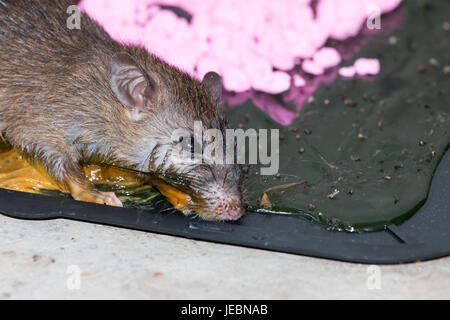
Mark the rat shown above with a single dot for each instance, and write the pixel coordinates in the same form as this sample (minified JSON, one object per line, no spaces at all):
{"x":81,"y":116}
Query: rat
{"x":74,"y":97}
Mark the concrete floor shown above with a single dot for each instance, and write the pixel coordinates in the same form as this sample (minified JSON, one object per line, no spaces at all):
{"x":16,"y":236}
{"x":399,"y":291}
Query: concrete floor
{"x":63,"y":259}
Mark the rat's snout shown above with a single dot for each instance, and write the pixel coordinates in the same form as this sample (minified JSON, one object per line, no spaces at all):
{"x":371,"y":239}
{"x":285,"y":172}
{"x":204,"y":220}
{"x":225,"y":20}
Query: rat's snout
{"x":223,"y":205}
{"x":214,"y":205}
{"x":227,"y":210}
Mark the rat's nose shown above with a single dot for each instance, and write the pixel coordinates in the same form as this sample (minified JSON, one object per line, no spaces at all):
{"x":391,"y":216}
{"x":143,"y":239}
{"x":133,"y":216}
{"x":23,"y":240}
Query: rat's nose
{"x":229,"y":211}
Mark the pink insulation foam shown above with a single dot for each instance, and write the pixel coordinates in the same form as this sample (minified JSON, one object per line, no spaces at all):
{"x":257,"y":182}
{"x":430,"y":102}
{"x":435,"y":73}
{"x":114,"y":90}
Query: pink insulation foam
{"x":347,"y":72}
{"x":365,"y":66}
{"x":251,"y":43}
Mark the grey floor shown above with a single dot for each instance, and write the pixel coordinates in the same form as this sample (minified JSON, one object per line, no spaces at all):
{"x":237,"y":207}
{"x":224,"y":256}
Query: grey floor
{"x":63,"y":259}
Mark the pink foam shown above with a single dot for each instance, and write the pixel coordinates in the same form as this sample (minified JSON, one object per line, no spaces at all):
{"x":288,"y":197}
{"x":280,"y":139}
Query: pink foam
{"x":235,"y":79}
{"x":327,"y":57}
{"x":205,"y":64}
{"x":383,"y":5}
{"x":311,"y":67}
{"x":365,"y":66}
{"x":361,"y":67}
{"x":343,"y":18}
{"x":245,"y":41}
{"x":298,"y":80}
{"x":276,"y":82}
{"x":347,"y":72}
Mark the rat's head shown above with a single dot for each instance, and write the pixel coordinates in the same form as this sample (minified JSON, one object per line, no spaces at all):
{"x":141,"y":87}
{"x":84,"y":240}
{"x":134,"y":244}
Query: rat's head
{"x":179,"y":134}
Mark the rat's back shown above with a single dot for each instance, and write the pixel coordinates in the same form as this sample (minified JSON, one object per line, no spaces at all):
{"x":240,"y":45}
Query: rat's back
{"x":40,"y":56}
{"x":34,"y":37}
{"x":41,"y":26}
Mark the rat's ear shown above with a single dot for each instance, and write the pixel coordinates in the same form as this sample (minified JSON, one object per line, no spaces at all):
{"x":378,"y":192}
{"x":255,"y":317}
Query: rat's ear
{"x":213,"y":82}
{"x":130,"y":84}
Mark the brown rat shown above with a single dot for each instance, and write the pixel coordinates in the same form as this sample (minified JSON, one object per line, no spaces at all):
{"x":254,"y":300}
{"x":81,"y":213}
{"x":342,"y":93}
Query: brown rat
{"x":69,"y":97}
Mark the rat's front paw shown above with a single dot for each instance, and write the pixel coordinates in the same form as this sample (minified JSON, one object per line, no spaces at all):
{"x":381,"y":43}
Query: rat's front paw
{"x":108,"y":198}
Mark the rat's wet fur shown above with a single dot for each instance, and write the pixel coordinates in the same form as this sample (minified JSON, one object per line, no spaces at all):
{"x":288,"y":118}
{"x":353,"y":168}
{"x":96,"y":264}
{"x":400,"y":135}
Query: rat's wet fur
{"x":60,"y":104}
